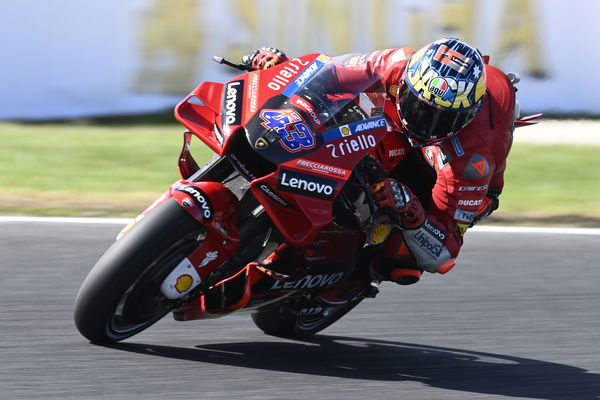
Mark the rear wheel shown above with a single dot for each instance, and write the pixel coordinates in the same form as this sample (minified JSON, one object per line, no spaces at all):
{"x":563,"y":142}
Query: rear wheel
{"x":289,"y":322}
{"x":121,"y":295}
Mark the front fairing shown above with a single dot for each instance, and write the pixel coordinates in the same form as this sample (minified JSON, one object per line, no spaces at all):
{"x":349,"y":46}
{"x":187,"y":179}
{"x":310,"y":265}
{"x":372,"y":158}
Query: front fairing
{"x":314,"y":133}
{"x":295,"y":132}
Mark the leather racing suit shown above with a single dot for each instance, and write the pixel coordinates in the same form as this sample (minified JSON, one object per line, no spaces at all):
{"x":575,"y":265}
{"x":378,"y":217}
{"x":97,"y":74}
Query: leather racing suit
{"x":458,"y":181}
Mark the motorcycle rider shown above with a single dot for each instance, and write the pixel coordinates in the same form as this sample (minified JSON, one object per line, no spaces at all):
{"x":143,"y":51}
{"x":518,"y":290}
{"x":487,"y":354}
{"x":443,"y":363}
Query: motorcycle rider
{"x":454,"y":114}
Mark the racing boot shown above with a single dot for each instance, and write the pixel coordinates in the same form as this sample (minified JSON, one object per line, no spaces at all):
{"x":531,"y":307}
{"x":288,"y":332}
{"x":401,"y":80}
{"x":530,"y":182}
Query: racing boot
{"x":396,"y":262}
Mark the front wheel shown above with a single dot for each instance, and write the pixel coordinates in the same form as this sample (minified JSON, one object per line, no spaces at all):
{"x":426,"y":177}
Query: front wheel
{"x":121,"y":295}
{"x":288,"y":322}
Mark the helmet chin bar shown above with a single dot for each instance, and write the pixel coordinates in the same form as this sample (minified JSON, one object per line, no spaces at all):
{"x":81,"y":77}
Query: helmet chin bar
{"x":417,"y":144}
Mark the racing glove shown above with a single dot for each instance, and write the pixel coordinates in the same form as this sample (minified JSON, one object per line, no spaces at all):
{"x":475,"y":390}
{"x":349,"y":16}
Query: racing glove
{"x":396,"y":198}
{"x":264,"y":58}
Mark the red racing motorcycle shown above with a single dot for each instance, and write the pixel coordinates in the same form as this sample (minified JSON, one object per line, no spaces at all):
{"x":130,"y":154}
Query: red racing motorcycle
{"x":279,"y":217}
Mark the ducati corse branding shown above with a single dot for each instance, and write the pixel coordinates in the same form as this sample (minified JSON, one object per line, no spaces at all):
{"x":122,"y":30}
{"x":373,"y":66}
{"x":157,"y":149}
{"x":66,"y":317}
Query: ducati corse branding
{"x":307,"y":185}
{"x":232,"y":103}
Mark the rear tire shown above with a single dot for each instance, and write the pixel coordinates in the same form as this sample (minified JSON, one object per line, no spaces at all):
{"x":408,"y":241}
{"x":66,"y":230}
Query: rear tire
{"x":121,"y":295}
{"x":282,"y":321}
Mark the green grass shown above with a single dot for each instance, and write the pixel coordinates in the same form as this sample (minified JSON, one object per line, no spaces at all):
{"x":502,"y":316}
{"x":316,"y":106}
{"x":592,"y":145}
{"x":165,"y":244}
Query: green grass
{"x":552,"y":180}
{"x":66,"y":169}
{"x":117,"y":168}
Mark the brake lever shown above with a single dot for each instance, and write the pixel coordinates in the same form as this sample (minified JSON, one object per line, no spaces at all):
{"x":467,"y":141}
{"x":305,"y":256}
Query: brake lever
{"x":241,"y":67}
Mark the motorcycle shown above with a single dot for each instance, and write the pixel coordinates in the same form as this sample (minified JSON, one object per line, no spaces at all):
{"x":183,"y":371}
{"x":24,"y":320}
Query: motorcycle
{"x":282,"y":214}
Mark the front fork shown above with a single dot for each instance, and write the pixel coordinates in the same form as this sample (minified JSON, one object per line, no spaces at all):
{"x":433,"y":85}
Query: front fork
{"x":216,"y":209}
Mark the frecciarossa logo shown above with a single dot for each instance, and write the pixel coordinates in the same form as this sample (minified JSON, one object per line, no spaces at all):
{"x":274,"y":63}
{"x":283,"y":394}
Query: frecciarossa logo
{"x":307,"y":185}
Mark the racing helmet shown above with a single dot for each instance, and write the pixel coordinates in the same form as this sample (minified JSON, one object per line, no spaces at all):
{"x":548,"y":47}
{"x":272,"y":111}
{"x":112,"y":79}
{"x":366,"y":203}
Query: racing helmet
{"x":441,"y":91}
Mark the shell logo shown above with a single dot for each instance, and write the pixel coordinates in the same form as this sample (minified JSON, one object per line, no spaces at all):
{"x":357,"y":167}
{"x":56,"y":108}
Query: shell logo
{"x":380,"y":233}
{"x":345,"y":130}
{"x":184,"y":283}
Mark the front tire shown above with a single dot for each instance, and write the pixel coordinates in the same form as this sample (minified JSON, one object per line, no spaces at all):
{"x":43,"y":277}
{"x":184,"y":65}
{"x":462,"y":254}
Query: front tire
{"x":121,"y":295}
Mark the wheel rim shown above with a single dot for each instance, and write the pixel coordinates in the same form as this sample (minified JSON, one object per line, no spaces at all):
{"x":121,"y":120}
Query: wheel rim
{"x":143,"y":304}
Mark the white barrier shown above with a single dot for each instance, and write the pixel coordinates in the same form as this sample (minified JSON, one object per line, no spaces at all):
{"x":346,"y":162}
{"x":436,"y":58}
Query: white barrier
{"x":64,"y":58}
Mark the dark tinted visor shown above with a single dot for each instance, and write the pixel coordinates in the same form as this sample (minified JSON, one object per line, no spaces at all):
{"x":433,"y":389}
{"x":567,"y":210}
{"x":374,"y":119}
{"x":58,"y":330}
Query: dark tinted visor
{"x":426,"y":123}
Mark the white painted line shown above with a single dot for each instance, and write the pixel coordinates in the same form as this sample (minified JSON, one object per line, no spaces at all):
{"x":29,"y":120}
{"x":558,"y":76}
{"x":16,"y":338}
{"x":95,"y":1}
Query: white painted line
{"x":67,"y":220}
{"x":479,"y":228}
{"x":536,"y":229}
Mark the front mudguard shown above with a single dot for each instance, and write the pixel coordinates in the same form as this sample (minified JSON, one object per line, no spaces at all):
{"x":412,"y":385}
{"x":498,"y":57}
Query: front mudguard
{"x":216,"y":208}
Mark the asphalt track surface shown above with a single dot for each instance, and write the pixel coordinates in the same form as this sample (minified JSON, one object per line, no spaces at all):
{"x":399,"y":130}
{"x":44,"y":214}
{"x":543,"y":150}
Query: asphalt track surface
{"x":518,"y":318}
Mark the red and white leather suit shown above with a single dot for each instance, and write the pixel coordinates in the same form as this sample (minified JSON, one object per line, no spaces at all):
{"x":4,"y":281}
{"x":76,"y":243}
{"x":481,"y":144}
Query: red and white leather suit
{"x":465,"y":171}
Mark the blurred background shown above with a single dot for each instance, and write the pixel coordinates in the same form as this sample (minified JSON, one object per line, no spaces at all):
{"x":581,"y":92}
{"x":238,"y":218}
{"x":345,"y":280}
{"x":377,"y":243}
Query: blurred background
{"x":67,"y":62}
{"x":68,"y":59}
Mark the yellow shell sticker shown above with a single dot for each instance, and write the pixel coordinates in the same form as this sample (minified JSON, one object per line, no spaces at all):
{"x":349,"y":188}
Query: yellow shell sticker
{"x":380,"y":233}
{"x":345,"y":130}
{"x":184,"y":283}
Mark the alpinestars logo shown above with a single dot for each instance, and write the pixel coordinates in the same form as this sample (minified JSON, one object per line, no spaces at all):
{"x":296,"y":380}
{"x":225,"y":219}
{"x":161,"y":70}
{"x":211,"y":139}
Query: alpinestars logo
{"x":307,"y":185}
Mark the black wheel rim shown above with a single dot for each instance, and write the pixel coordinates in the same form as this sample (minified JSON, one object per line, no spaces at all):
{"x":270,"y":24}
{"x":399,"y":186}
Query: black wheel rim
{"x":143,"y":303}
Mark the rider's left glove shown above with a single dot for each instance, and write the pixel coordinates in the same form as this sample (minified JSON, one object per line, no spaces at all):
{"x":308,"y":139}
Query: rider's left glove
{"x":397,"y":198}
{"x":264,"y":58}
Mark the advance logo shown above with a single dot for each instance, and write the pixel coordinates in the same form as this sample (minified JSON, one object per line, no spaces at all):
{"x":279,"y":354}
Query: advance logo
{"x":307,"y":185}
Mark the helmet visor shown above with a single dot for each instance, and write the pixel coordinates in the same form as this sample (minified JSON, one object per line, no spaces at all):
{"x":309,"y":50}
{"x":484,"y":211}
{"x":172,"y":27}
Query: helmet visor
{"x":428,"y":124}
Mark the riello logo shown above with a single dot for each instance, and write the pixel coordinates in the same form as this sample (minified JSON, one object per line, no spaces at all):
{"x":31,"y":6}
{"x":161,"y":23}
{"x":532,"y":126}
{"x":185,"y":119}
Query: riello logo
{"x":307,"y":185}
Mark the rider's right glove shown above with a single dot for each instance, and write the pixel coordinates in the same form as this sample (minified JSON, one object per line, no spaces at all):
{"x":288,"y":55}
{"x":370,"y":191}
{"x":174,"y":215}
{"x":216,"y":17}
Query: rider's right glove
{"x":392,"y":195}
{"x":264,"y":58}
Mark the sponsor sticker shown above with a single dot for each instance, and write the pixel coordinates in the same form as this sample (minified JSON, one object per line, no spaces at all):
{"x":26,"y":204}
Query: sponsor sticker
{"x":428,"y":153}
{"x":396,"y":152}
{"x":183,"y":283}
{"x":308,"y":108}
{"x":209,"y":257}
{"x":472,"y":188}
{"x":352,"y":145}
{"x":232,"y":103}
{"x":427,"y":242}
{"x":200,"y":198}
{"x":269,"y":191}
{"x":438,"y":87}
{"x":252,"y":92}
{"x":434,"y":230}
{"x":305,"y":75}
{"x":180,"y":280}
{"x":470,"y":203}
{"x":310,"y":282}
{"x":319,"y":167}
{"x":380,"y":233}
{"x":464,"y":215}
{"x":443,"y":159}
{"x":458,"y":149}
{"x":241,"y":167}
{"x":307,"y":185}
{"x":355,"y":128}
{"x":477,"y":167}
{"x":286,"y":74}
